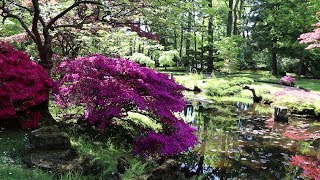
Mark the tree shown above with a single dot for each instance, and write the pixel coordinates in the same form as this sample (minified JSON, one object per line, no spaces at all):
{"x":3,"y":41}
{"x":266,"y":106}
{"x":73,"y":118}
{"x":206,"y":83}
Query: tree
{"x":108,"y":89}
{"x":166,"y":58}
{"x":276,"y":26}
{"x":312,"y":37}
{"x":39,"y":22}
{"x":40,"y":25}
{"x":142,"y":59}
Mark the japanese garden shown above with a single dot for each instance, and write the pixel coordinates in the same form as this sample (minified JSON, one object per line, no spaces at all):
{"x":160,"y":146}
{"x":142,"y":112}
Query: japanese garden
{"x":167,"y":89}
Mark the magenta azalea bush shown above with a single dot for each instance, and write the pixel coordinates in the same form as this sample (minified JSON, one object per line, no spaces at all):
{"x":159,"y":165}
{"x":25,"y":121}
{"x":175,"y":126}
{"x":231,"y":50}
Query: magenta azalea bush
{"x":287,"y":80}
{"x":24,"y":84}
{"x":108,"y":88}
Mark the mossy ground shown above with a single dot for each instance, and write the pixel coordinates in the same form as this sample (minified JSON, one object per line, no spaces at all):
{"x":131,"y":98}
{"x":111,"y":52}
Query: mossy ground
{"x":224,"y":88}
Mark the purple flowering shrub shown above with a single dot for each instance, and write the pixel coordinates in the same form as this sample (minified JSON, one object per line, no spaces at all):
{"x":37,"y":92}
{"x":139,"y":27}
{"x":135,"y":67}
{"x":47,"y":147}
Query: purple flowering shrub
{"x":287,"y":80}
{"x":109,"y":88}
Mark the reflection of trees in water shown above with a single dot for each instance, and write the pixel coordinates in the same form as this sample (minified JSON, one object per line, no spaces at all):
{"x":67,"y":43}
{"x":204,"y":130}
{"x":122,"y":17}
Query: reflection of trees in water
{"x":233,"y":154}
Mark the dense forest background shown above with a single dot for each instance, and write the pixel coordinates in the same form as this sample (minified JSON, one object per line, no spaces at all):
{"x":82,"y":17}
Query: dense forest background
{"x":222,"y":35}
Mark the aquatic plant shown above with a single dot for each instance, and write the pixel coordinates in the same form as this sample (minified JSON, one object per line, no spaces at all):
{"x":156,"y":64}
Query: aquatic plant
{"x":109,"y":88}
{"x":24,"y":85}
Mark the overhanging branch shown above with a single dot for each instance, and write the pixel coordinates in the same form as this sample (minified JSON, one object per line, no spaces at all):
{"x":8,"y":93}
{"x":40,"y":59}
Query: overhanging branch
{"x":77,"y":3}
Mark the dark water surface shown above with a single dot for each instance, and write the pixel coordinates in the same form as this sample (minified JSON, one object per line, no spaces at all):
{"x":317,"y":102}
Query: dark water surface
{"x":242,"y":141}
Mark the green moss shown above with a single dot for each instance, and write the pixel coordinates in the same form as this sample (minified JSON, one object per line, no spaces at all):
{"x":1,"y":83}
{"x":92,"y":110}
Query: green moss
{"x":143,"y":121}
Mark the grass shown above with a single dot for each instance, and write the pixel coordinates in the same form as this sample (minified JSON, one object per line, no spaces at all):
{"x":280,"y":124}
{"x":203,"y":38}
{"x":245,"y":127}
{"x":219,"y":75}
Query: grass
{"x":310,"y":84}
{"x":12,"y":143}
{"x":224,"y":88}
{"x":106,"y":151}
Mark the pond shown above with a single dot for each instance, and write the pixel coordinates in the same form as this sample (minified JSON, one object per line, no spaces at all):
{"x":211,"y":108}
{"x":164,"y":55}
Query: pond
{"x":242,"y":141}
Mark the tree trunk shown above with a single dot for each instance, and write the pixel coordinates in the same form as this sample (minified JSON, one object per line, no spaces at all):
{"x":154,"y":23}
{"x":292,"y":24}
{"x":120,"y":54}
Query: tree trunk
{"x":300,"y":65}
{"x":46,"y":62}
{"x":188,"y":40}
{"x":181,"y":41}
{"x":229,"y":24}
{"x":235,"y":25}
{"x":240,"y":16}
{"x":202,"y":51}
{"x":210,"y":40}
{"x":274,"y":62}
{"x":175,"y":41}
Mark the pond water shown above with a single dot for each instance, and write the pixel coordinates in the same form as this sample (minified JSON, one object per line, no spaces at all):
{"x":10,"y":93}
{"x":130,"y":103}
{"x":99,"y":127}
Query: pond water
{"x":242,"y":141}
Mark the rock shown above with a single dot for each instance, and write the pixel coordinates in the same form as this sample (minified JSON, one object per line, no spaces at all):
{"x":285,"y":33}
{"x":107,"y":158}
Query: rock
{"x":169,"y":170}
{"x":281,"y":114}
{"x":48,"y":138}
{"x":50,"y":149}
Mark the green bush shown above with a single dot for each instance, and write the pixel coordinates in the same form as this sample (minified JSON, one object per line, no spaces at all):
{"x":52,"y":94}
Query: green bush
{"x":239,"y":81}
{"x":227,"y":88}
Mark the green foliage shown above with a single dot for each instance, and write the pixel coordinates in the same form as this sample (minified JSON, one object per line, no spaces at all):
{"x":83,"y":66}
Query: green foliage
{"x":228,"y":87}
{"x":229,"y":49}
{"x":137,"y":169}
{"x":317,"y":108}
{"x":241,"y":81}
{"x":142,"y":59}
{"x":166,"y":58}
{"x":136,"y":120}
{"x":10,"y":27}
{"x":18,"y":172}
{"x":12,"y":143}
{"x":288,"y":64}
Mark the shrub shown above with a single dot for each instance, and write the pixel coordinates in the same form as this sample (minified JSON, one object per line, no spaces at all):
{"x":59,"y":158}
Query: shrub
{"x":142,"y":59}
{"x":227,"y":88}
{"x":109,"y":88}
{"x":240,"y":81}
{"x":287,"y":81}
{"x":166,"y":58}
{"x":24,"y":85}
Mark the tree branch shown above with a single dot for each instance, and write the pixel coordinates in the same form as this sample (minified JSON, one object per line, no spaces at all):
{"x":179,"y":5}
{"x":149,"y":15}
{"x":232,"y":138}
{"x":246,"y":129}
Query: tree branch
{"x":35,"y":20}
{"x":22,"y":7}
{"x":77,"y":3}
{"x":7,"y":14}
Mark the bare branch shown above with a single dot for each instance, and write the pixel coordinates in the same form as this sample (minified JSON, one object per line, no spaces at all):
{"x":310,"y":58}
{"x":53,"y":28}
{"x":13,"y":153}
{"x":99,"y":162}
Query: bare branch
{"x":7,"y":14}
{"x":77,"y":3}
{"x":20,"y":6}
{"x":35,"y":21}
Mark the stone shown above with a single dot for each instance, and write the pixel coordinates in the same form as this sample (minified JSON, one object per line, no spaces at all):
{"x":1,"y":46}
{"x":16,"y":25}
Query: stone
{"x":281,"y":114}
{"x":48,"y":138}
{"x":50,"y":149}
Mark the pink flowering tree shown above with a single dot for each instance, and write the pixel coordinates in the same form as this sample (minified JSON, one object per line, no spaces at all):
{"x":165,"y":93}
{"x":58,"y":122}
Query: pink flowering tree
{"x":312,"y":38}
{"x":109,"y":88}
{"x":24,"y":85}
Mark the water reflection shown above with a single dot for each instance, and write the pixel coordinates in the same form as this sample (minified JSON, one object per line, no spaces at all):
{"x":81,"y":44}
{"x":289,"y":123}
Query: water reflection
{"x":239,"y":143}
